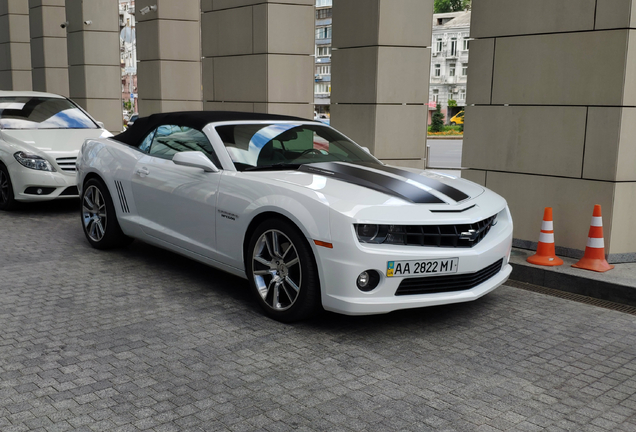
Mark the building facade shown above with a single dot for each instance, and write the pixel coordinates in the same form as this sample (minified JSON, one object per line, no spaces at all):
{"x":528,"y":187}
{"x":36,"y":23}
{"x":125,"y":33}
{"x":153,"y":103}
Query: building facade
{"x":449,"y":63}
{"x":322,"y":85}
{"x":128,"y":55}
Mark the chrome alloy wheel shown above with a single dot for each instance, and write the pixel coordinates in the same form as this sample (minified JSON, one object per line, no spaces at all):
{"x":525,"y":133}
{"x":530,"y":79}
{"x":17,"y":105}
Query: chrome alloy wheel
{"x":4,"y":187}
{"x":277,"y":270}
{"x":94,"y":213}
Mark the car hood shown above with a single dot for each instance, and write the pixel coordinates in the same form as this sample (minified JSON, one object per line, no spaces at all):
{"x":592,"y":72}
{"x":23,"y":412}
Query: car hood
{"x":360,"y":190}
{"x":51,"y":141}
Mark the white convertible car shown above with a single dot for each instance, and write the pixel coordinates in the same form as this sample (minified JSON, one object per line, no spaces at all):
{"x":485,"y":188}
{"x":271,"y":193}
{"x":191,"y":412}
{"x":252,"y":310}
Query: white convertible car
{"x":40,"y":136}
{"x":311,"y":219}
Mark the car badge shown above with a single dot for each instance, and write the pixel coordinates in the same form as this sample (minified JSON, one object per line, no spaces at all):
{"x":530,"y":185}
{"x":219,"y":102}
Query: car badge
{"x":470,"y":235}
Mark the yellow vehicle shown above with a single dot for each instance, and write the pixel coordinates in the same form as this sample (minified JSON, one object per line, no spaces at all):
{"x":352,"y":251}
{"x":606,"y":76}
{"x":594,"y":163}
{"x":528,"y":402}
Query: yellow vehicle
{"x":458,"y":119}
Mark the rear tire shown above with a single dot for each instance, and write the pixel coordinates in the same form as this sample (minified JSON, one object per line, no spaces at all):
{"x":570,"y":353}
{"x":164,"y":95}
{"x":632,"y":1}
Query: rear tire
{"x":99,"y":219}
{"x":7,"y":198}
{"x":282,"y":272}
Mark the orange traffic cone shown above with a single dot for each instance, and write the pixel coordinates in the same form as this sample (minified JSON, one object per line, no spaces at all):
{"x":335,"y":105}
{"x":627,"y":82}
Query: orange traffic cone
{"x":545,"y":249}
{"x":594,"y":258}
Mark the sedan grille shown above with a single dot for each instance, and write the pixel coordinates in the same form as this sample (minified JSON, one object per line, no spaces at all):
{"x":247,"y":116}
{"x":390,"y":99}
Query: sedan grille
{"x":462,"y":236}
{"x":440,"y":284}
{"x":67,"y":163}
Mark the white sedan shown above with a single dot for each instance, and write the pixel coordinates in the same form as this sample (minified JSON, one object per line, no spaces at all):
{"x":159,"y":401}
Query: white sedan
{"x":40,"y":137}
{"x":311,"y":219}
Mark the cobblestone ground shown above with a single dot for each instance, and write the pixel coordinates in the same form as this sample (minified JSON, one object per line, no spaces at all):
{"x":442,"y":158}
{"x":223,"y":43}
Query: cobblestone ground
{"x":142,"y":339}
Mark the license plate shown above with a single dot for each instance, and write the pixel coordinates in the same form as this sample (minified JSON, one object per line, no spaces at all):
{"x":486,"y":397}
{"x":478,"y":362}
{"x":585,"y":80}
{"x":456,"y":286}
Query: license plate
{"x":422,"y":267}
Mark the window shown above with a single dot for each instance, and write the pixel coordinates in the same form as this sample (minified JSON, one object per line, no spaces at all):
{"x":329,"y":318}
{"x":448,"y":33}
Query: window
{"x":438,"y":70}
{"x":324,"y":51}
{"x":323,"y":70}
{"x":321,"y":3}
{"x":465,"y":70}
{"x":462,"y":94}
{"x":453,"y":47}
{"x":322,"y":88}
{"x":323,"y":13}
{"x":466,"y":44}
{"x":323,"y":33}
{"x":451,"y":71}
{"x":435,"y":95}
{"x":438,"y":45}
{"x":169,"y":140}
{"x":25,"y":112}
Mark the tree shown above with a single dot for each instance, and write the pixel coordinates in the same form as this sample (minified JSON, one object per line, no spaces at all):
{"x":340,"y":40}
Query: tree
{"x":452,"y":103}
{"x":437,"y":121}
{"x":443,"y":6}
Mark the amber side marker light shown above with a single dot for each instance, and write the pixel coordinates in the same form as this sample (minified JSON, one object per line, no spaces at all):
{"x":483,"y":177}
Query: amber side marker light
{"x":323,"y":244}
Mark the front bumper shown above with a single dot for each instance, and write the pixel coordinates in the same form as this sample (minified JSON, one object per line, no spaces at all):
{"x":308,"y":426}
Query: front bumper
{"x":339,"y":268}
{"x":26,"y":182}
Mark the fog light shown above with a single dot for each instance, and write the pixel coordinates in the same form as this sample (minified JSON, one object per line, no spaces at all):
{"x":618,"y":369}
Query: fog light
{"x":368,"y":280}
{"x":363,"y":280}
{"x":39,"y":191}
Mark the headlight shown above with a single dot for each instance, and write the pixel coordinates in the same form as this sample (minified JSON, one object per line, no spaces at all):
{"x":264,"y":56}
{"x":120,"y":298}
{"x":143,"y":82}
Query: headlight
{"x":33,"y":161}
{"x":371,"y":233}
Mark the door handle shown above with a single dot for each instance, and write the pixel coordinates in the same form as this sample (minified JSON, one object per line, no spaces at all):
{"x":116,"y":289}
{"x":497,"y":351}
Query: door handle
{"x":143,"y":171}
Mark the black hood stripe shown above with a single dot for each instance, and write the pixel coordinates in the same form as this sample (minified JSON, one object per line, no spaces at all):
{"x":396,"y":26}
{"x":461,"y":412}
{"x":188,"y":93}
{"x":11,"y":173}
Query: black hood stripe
{"x":436,"y":185}
{"x":372,"y":180}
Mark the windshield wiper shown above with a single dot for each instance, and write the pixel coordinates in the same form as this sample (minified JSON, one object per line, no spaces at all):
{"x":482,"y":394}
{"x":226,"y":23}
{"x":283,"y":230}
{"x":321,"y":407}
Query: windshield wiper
{"x":275,"y":167}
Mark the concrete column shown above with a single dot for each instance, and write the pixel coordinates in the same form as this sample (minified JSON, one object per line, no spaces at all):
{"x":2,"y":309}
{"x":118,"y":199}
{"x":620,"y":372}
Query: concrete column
{"x":15,"y":57}
{"x":93,"y":58}
{"x":552,"y":116}
{"x":257,"y":56}
{"x":169,"y":53}
{"x":380,"y":76}
{"x":48,"y":46}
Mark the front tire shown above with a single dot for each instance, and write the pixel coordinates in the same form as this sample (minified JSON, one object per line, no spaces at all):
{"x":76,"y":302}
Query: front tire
{"x":98,"y":217}
{"x":282,"y":272}
{"x":7,"y":198}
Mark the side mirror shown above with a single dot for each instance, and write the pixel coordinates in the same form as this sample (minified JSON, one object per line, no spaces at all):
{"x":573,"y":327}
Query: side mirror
{"x":195,"y":159}
{"x":366,"y":149}
{"x":100,"y":124}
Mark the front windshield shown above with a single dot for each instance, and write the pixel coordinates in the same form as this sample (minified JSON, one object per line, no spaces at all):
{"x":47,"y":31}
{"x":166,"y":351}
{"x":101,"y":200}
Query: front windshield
{"x":24,"y":112}
{"x":256,"y":146}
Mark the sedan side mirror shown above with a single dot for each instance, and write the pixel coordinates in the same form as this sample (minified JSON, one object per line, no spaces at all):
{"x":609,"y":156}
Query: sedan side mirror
{"x":195,"y":159}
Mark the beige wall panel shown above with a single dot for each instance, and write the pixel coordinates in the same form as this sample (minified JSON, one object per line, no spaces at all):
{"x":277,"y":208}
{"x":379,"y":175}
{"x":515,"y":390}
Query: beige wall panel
{"x":228,"y":4}
{"x":346,"y":14}
{"x":51,"y":80}
{"x":168,"y":40}
{"x":95,"y":82}
{"x":525,"y":139}
{"x":403,"y":74}
{"x":401,"y":23}
{"x":400,"y":131}
{"x":228,"y":106}
{"x":240,"y":78}
{"x":283,"y":20}
{"x":104,"y":15}
{"x":613,"y":14}
{"x":15,"y":28}
{"x":561,"y":69}
{"x":20,"y":56}
{"x":182,"y":10}
{"x":14,"y":7}
{"x":82,"y":48}
{"x":622,"y":236}
{"x":479,"y":86}
{"x":626,"y":170}
{"x":149,"y":80}
{"x":45,"y":22}
{"x":227,"y":32}
{"x":75,"y":47}
{"x":629,"y":97}
{"x":49,"y":52}
{"x":37,"y":3}
{"x":357,"y":122}
{"x":407,"y":163}
{"x":354,"y":75}
{"x":22,"y":80}
{"x":6,"y":80}
{"x":150,"y":106}
{"x":305,"y":111}
{"x":505,"y":17}
{"x":180,"y":80}
{"x":107,"y":111}
{"x":476,"y":176}
{"x":285,"y":75}
{"x":571,"y":199}
{"x":601,"y":143}
{"x":5,"y":56}
{"x":207,"y":79}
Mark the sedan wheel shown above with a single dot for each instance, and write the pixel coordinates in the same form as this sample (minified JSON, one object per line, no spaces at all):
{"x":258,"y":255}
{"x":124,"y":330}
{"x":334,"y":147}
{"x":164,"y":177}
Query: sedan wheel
{"x":7,"y":201}
{"x":98,"y":217}
{"x":282,"y":272}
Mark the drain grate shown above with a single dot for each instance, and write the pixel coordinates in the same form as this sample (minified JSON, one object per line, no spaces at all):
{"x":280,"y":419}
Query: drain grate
{"x":574,"y":297}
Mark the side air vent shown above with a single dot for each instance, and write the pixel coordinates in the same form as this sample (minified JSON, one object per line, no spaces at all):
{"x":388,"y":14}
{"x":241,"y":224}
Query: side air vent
{"x":122,"y":197}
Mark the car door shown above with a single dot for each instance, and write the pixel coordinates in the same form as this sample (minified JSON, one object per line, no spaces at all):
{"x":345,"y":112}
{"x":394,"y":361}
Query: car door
{"x":176,"y":203}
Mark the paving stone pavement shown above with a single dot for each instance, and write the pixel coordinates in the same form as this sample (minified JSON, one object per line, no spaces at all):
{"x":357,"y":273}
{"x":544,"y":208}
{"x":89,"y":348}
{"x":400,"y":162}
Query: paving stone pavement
{"x":142,"y":339}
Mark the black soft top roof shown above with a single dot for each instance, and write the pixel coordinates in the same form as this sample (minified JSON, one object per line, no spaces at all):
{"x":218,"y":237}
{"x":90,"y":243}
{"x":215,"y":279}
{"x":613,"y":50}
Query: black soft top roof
{"x":194,"y":119}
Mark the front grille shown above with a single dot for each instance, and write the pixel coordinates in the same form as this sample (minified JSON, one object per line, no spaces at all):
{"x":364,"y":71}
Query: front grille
{"x":462,"y":236}
{"x":440,"y":284}
{"x":67,"y":163}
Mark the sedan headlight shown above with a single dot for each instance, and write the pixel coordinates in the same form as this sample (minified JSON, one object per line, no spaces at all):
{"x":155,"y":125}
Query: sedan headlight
{"x":33,"y":161}
{"x":371,"y":233}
